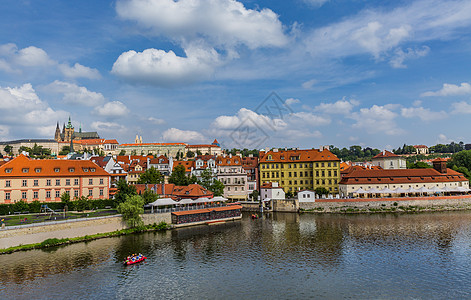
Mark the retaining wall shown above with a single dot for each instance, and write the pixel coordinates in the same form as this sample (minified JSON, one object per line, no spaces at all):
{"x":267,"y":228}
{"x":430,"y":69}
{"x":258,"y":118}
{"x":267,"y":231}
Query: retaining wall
{"x":365,"y":204}
{"x":27,"y":234}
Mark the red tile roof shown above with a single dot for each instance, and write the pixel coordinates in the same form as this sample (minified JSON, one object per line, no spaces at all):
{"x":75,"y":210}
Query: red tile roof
{"x":298,"y":156}
{"x":188,"y":164}
{"x":155,"y":144}
{"x":23,"y":166}
{"x":206,"y":210}
{"x":386,"y":153}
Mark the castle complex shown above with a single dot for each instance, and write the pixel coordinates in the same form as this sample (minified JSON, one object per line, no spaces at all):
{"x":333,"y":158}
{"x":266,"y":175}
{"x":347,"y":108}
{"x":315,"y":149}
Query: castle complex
{"x":68,"y":133}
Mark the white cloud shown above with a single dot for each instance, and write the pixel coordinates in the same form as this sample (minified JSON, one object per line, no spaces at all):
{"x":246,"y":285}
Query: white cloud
{"x":461,"y":108}
{"x":316,"y":3}
{"x":400,"y":56}
{"x":378,"y":32}
{"x":450,"y":90}
{"x":291,"y":101}
{"x":309,"y":84}
{"x":377,"y":119}
{"x":442,"y":139}
{"x":75,"y":94}
{"x":248,"y":118}
{"x":177,"y":135}
{"x":340,"y":107}
{"x":32,"y":57}
{"x":221,"y":23}
{"x":23,"y":97}
{"x":112,"y":109}
{"x":424,"y":114}
{"x":166,"y":68}
{"x":156,"y":121}
{"x":309,"y":119}
{"x":79,"y":71}
{"x":109,"y":127}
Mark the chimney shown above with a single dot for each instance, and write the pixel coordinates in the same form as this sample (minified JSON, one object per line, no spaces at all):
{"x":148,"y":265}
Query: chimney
{"x":439,"y":164}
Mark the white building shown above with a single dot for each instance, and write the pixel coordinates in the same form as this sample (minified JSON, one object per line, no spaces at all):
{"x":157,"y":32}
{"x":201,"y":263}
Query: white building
{"x":306,"y":196}
{"x":389,"y":161}
{"x":271,"y":191}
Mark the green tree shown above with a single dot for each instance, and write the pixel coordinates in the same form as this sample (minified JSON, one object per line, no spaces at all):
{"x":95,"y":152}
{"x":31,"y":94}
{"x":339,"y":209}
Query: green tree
{"x":150,"y":176}
{"x":461,"y":161}
{"x":192,"y":179}
{"x":418,"y":165}
{"x":122,"y":152}
{"x":148,"y":196}
{"x":198,"y":152}
{"x":131,"y":209}
{"x":178,"y":176}
{"x":8,"y":149}
{"x":254,"y":195}
{"x":124,"y":190}
{"x":82,"y":203}
{"x":321,"y":191}
{"x":217,"y":187}
{"x":190,"y":154}
{"x":206,"y":179}
{"x":65,"y":150}
{"x":65,"y":198}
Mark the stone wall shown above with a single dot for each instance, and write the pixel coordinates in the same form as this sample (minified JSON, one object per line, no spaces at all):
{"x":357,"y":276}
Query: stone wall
{"x":375,"y":204}
{"x":287,"y":205}
{"x":67,"y":229}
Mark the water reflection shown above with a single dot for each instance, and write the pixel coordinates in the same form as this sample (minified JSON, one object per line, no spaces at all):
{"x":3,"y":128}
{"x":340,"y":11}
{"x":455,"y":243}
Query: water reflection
{"x":328,"y":256}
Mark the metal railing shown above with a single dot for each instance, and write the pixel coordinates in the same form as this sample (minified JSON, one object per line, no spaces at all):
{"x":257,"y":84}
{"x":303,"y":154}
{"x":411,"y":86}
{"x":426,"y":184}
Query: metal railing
{"x":46,"y":223}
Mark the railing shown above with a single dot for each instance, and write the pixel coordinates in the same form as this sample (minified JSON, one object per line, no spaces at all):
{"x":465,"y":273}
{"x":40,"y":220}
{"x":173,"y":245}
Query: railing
{"x":45,"y":223}
{"x":182,"y":208}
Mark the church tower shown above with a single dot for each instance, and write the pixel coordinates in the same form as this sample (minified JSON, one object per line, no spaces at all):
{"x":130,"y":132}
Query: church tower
{"x":68,"y":131}
{"x":57,"y":136}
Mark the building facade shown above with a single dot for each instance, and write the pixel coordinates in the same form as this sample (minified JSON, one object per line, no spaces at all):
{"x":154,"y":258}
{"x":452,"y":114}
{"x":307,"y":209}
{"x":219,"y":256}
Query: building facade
{"x":233,"y":176}
{"x":28,"y":179}
{"x":296,"y":170}
{"x":389,"y":161}
{"x":156,"y":149}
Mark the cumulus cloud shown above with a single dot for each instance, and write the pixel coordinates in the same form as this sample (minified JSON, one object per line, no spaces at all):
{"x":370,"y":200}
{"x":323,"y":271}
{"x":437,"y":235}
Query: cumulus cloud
{"x":23,"y":110}
{"x":75,"y":94}
{"x":221,"y":22}
{"x":209,"y":32}
{"x":462,"y":107}
{"x":291,"y":101}
{"x":166,"y":68}
{"x":339,"y":107}
{"x":156,"y":121}
{"x":380,"y":32}
{"x":78,"y":70}
{"x":112,"y":109}
{"x":443,"y":139}
{"x":110,"y":127}
{"x":450,"y":90}
{"x":177,"y":135}
{"x":377,"y":119}
{"x":400,"y":56}
{"x":309,"y":119}
{"x":424,"y":114}
{"x":248,"y":118}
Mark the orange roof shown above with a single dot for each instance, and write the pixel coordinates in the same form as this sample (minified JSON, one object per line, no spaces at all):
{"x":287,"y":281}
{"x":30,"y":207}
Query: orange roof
{"x":202,"y":146}
{"x":228,"y":161}
{"x":298,"y":156}
{"x":155,"y":144}
{"x":23,"y":166}
{"x":420,"y":146}
{"x":158,"y":160}
{"x":268,"y":185}
{"x":188,"y":164}
{"x":206,"y":210}
{"x":385,"y":153}
{"x":398,"y":176}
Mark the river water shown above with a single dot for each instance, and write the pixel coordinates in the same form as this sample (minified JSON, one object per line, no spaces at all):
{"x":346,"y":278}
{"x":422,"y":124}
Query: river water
{"x":281,"y":256}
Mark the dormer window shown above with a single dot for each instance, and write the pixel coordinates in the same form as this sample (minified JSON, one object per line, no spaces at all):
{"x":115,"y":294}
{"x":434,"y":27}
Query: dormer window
{"x":71,"y":170}
{"x":37,"y":170}
{"x":7,"y":170}
{"x":92,"y":170}
{"x":85,"y":169}
{"x":57,"y":170}
{"x":25,"y":170}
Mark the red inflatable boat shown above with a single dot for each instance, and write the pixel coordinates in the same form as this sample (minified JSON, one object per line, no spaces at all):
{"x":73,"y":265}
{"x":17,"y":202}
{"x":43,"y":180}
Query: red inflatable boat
{"x":134,"y":260}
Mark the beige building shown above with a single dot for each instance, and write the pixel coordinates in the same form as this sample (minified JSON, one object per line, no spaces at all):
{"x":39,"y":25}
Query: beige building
{"x":212,"y":149}
{"x":389,"y":161}
{"x":231,"y":173}
{"x":52,"y":145}
{"x":46,"y":180}
{"x":156,"y":149}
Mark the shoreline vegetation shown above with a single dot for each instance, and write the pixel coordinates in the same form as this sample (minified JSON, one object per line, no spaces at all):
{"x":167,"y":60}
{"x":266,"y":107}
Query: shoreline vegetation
{"x":54,"y":242}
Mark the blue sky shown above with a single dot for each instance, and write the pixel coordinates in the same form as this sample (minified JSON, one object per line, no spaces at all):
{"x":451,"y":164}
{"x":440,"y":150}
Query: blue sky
{"x":300,"y":73}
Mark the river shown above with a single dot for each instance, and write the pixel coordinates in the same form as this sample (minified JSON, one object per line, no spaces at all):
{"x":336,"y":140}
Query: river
{"x":280,"y":256}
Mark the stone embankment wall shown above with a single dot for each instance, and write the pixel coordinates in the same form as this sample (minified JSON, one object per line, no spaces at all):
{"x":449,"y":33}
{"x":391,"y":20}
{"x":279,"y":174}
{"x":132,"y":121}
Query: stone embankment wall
{"x":388,"y":204}
{"x":288,"y":205}
{"x":23,"y":235}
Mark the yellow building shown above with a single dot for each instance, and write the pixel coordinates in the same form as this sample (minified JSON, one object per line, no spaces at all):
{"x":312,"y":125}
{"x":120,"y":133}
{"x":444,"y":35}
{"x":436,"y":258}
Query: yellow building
{"x":297,"y":170}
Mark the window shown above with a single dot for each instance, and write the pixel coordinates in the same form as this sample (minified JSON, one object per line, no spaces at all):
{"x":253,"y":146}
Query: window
{"x":85,"y":169}
{"x":25,"y":170}
{"x":76,"y":181}
{"x":92,"y":170}
{"x":37,"y":170}
{"x":101,"y":192}
{"x":90,"y":192}
{"x":7,"y":170}
{"x":7,"y":183}
{"x":48,"y":194}
{"x":23,"y":195}
{"x":24,"y":182}
{"x":90,"y":181}
{"x":328,"y":164}
{"x":76,"y":193}
{"x":58,"y":182}
{"x":71,"y":170}
{"x":67,"y":182}
{"x":48,"y":182}
{"x":35,"y":182}
{"x":7,"y":196}
{"x":57,"y":170}
{"x":58,"y":194}
{"x":35,"y":195}
{"x":322,"y":164}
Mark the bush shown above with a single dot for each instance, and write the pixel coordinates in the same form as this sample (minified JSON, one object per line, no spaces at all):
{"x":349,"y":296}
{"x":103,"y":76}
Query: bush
{"x":53,"y":242}
{"x":20,"y":206}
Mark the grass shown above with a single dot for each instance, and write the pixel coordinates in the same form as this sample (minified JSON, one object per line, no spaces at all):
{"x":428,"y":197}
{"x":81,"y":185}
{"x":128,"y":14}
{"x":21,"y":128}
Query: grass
{"x":54,"y":242}
{"x":14,"y":220}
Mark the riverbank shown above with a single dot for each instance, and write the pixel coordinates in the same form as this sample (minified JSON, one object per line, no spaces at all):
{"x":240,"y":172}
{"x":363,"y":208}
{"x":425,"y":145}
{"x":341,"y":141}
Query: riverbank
{"x":385,"y":205}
